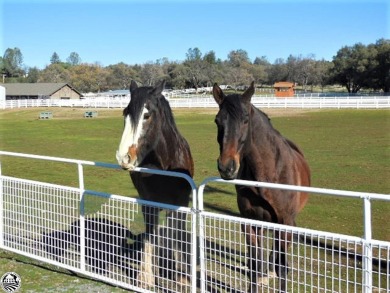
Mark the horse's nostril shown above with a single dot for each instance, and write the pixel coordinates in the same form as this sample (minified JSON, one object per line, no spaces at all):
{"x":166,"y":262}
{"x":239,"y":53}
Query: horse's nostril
{"x":232,"y":166}
{"x":228,"y":170}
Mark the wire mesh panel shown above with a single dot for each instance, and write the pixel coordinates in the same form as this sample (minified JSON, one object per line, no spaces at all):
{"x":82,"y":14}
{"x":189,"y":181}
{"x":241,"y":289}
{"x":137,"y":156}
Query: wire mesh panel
{"x":130,"y":257}
{"x":36,"y":217}
{"x":381,"y":266}
{"x":45,"y":222}
{"x":316,"y":261}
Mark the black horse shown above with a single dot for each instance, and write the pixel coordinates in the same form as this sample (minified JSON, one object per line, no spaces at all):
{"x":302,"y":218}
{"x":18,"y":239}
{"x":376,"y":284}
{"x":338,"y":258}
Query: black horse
{"x":251,"y":149}
{"x":151,"y":139}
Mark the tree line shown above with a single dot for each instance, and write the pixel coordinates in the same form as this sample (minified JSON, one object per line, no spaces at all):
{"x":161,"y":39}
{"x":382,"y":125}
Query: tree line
{"x":354,"y":67}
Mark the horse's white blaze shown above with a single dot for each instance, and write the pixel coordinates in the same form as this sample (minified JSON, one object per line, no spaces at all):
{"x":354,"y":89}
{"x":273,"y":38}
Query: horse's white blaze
{"x":130,"y":137}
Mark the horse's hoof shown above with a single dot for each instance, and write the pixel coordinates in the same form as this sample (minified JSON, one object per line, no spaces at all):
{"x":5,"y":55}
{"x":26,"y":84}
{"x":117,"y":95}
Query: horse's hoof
{"x":264,"y":280}
{"x":272,"y":274}
{"x":184,"y":283}
{"x":145,"y":281}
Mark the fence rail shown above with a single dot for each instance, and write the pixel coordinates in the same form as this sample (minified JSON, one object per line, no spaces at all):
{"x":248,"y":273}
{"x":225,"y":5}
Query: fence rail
{"x":206,"y":101}
{"x":51,"y":223}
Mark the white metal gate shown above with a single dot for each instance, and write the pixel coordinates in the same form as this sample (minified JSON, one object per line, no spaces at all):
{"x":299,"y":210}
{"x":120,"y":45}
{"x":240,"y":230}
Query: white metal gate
{"x":319,"y":261}
{"x":52,"y":223}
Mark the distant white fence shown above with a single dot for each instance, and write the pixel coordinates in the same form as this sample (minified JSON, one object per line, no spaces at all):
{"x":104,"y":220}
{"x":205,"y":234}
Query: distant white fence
{"x":51,"y":223}
{"x":207,"y":101}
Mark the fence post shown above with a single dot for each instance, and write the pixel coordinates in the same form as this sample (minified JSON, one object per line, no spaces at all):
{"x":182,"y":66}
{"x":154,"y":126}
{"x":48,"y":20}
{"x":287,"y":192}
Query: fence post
{"x":82,"y":218}
{"x":367,"y":247}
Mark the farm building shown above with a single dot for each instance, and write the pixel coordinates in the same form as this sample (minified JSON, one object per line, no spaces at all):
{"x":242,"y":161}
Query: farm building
{"x":16,"y":91}
{"x":284,"y":89}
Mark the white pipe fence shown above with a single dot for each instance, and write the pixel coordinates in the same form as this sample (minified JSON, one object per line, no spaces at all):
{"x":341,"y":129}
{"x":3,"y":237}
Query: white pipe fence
{"x":70,"y":228}
{"x":206,"y":101}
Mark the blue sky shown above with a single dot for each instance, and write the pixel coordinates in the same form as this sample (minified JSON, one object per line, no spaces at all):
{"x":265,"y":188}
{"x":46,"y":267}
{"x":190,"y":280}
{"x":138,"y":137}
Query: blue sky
{"x":136,"y":32}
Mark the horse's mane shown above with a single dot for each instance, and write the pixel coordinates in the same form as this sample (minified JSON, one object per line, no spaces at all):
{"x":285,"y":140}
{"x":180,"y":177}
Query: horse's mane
{"x":266,"y":118}
{"x":166,"y":113}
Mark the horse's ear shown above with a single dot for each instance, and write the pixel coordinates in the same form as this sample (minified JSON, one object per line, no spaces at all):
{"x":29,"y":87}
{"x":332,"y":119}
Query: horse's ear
{"x":133,"y":86}
{"x":160,"y":87}
{"x":247,"y":95}
{"x":156,"y":91}
{"x":218,"y":94}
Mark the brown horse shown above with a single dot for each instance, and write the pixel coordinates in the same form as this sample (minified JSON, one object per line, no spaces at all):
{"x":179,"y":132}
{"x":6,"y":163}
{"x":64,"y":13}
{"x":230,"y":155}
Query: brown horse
{"x":251,"y":149}
{"x":151,"y":139}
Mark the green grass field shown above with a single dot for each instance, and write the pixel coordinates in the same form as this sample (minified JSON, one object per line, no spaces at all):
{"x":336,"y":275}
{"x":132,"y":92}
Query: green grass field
{"x":346,"y":149}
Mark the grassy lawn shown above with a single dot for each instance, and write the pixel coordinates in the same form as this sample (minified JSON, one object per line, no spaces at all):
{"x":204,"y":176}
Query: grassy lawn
{"x":346,"y":149}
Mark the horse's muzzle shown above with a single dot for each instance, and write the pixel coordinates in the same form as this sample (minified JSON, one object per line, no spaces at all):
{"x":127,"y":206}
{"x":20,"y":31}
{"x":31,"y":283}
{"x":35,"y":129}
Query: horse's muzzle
{"x":229,"y":170}
{"x":127,"y":161}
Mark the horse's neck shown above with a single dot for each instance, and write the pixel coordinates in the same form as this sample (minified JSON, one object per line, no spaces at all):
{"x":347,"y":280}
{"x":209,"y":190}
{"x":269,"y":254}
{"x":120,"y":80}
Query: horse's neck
{"x":171,"y":153}
{"x":262,"y":149}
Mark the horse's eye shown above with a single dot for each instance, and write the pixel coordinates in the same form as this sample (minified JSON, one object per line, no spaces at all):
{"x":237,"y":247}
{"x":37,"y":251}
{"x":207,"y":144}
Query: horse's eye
{"x":146,"y":116}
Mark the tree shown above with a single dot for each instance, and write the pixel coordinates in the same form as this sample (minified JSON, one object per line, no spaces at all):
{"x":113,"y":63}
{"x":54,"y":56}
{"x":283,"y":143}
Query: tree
{"x":261,"y":61}
{"x":212,"y":70}
{"x":33,"y":75}
{"x":381,"y":73}
{"x":73,"y":59}
{"x":151,"y":73}
{"x":13,"y":62}
{"x":260,"y":69}
{"x":89,"y":77}
{"x":210,"y":58}
{"x":238,"y":68}
{"x":120,"y":75}
{"x":193,"y":54}
{"x":166,"y":67}
{"x":292,"y":68}
{"x":238,"y":58}
{"x":236,"y":76}
{"x":305,"y":70}
{"x":54,"y":73}
{"x":55,"y":59}
{"x":194,"y":68}
{"x":322,"y":72}
{"x":179,"y":75}
{"x":278,"y":71}
{"x":353,"y":67}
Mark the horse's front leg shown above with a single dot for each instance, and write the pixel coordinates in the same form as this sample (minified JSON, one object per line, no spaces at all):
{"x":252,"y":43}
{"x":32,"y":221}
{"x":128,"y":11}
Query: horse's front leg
{"x":282,"y":241}
{"x":256,"y":258}
{"x":179,"y":247}
{"x":146,"y":276}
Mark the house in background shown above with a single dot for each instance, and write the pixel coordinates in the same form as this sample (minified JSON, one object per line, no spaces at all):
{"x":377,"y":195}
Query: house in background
{"x":17,"y":91}
{"x":284,"y":89}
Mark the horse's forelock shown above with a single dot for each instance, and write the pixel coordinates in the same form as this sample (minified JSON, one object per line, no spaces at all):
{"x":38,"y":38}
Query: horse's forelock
{"x":137,"y":103}
{"x":232,"y":105}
